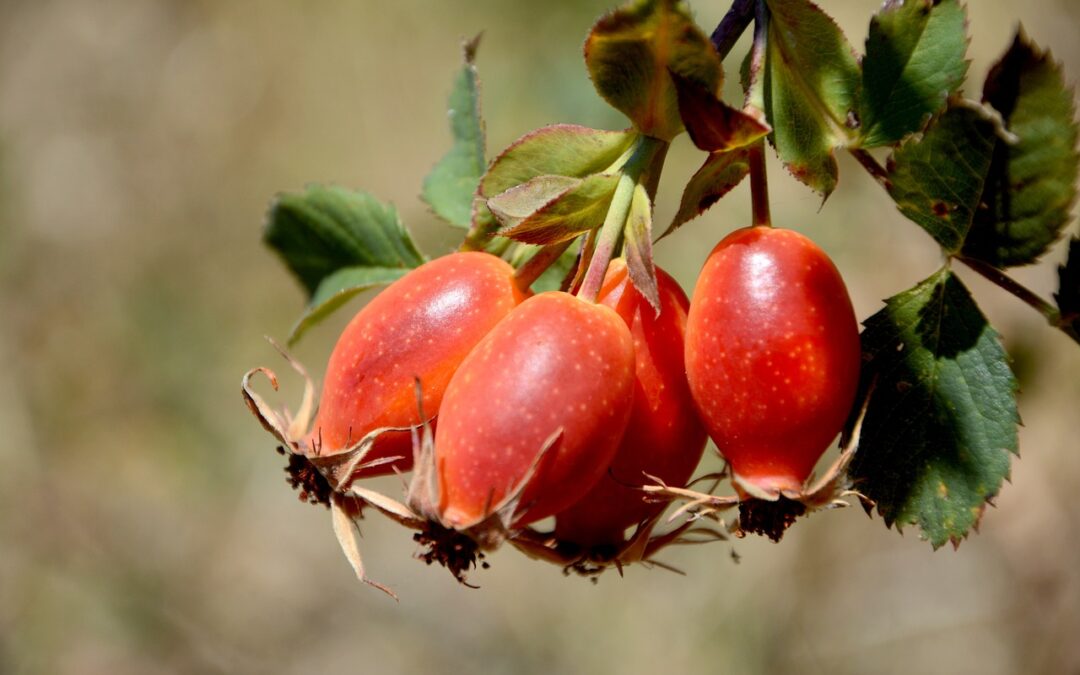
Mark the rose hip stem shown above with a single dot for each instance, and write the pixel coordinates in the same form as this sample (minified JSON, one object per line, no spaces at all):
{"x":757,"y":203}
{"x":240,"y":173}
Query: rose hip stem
{"x":755,"y":105}
{"x":528,"y":273}
{"x":642,"y":167}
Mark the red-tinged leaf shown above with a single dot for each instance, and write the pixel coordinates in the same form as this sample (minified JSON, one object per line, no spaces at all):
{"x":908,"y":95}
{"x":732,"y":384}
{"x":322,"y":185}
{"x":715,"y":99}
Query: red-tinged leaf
{"x":720,"y":173}
{"x":521,"y":201}
{"x":577,"y":210}
{"x":630,"y":52}
{"x":637,"y":234}
{"x":713,"y":125}
{"x":556,"y":150}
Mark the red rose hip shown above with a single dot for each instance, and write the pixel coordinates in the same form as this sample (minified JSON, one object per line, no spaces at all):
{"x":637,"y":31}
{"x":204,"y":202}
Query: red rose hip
{"x":556,"y":363}
{"x":772,"y":355}
{"x":665,"y":437}
{"x":421,"y":326}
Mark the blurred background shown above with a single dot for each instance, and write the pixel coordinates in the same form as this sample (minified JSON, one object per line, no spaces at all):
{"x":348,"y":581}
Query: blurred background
{"x":145,"y":524}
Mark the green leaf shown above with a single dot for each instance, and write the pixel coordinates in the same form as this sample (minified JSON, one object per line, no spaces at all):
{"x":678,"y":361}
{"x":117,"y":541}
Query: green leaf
{"x":811,"y":80}
{"x":937,"y":180}
{"x":340,"y":287}
{"x":1068,"y":294}
{"x":914,"y":61}
{"x":942,"y":418}
{"x":720,"y":173}
{"x":578,"y":209}
{"x":450,"y":186}
{"x":713,"y":125}
{"x":637,"y":235}
{"x":630,"y":52}
{"x":1031,"y":186}
{"x":327,"y":228}
{"x":557,"y":150}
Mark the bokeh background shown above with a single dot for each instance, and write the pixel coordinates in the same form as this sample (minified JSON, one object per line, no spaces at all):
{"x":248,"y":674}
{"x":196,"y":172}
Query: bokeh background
{"x":145,"y":526}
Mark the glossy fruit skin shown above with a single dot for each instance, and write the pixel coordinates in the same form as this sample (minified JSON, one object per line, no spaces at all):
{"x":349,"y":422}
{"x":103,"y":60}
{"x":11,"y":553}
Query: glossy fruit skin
{"x":772,"y":355}
{"x":423,"y":325}
{"x":665,"y":436}
{"x":555,"y":362}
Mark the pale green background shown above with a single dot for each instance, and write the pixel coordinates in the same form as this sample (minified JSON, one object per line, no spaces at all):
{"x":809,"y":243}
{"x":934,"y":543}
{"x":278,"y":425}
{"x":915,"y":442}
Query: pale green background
{"x":145,"y":526}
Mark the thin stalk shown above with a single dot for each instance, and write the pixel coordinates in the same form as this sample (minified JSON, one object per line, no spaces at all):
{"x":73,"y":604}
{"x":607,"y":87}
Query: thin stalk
{"x":984,"y":269}
{"x":500,"y":248}
{"x":584,"y":257}
{"x":732,"y":26}
{"x":528,"y":273}
{"x":759,"y":185}
{"x":478,"y":236}
{"x":610,"y":234}
{"x":755,"y":104}
{"x":640,"y":166}
{"x":871,"y":165}
{"x":1002,"y":280}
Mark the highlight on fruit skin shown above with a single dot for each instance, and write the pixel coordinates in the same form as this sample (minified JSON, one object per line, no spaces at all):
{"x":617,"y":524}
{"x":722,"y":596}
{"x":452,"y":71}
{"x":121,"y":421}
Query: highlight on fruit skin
{"x":420,"y":328}
{"x":665,"y":437}
{"x":532,"y":418}
{"x":772,"y":356}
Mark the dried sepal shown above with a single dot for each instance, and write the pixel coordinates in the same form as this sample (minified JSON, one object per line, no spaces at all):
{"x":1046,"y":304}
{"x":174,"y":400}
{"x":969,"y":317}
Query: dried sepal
{"x":771,"y":512}
{"x":348,"y":536}
{"x":639,"y":548}
{"x":292,"y":432}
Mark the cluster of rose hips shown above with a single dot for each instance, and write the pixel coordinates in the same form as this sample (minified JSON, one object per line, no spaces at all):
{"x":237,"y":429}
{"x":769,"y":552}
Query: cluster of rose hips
{"x":511,"y":407}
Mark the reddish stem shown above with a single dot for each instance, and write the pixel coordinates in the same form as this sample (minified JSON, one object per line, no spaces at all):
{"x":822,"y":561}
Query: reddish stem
{"x":527,"y":274}
{"x":755,"y":103}
{"x":759,"y":185}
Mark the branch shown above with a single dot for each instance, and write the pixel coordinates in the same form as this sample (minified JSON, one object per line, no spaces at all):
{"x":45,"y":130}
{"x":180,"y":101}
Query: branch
{"x":1002,"y":280}
{"x":732,"y":26}
{"x":984,"y":269}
